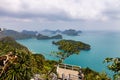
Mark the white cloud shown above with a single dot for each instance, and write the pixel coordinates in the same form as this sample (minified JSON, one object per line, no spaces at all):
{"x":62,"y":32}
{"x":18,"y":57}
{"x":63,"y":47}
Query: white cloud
{"x":10,"y":5}
{"x":73,"y":9}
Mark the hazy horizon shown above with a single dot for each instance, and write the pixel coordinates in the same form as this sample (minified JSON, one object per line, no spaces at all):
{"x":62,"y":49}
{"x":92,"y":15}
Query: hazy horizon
{"x":85,"y":15}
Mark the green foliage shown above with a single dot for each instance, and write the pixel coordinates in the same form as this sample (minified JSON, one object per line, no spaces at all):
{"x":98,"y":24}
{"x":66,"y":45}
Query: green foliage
{"x":92,"y":75}
{"x":23,"y":66}
{"x":114,"y":65}
{"x":71,"y":46}
{"x":26,"y":64}
{"x":9,"y":44}
{"x":43,"y":65}
{"x":117,"y":76}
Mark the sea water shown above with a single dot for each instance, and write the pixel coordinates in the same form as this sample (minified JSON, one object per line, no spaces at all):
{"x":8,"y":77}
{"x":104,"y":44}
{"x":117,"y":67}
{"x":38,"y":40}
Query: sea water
{"x":103,"y":44}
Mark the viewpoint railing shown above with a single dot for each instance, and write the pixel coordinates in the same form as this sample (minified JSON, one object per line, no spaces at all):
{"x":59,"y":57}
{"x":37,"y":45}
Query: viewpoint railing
{"x":67,"y":74}
{"x":70,"y":67}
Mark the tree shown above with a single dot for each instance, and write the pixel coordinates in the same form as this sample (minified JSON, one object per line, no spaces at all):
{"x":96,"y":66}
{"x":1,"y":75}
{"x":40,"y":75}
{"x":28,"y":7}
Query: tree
{"x":22,"y":68}
{"x":27,"y":64}
{"x":114,"y":65}
{"x":66,"y":49}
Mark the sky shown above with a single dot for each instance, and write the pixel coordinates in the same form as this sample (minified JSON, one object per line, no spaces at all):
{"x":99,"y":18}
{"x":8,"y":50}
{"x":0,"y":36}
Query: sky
{"x":60,"y":14}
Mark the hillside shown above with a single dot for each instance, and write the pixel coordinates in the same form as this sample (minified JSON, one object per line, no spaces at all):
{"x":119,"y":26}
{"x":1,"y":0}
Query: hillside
{"x":27,"y":64}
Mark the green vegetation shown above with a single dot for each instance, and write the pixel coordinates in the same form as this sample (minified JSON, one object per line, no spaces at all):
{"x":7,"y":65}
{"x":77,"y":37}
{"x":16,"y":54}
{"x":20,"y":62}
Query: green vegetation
{"x":22,"y":66}
{"x":70,"y":47}
{"x":114,"y":65}
{"x":26,"y":64}
{"x":93,"y":75}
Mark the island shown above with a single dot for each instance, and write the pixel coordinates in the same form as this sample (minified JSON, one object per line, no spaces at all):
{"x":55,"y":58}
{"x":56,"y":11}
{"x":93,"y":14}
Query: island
{"x":71,"y":32}
{"x":29,"y":32}
{"x":71,"y":46}
{"x":25,"y":34}
{"x":18,"y":35}
{"x":44,"y":37}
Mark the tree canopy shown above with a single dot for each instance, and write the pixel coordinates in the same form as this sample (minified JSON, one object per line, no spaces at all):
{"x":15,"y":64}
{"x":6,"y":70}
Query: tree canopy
{"x":114,"y":65}
{"x":70,"y":47}
{"x":25,"y":66}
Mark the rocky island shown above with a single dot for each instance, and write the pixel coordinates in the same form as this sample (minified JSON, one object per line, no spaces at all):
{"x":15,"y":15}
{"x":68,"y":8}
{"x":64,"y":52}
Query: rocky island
{"x":44,"y":37}
{"x":71,"y":32}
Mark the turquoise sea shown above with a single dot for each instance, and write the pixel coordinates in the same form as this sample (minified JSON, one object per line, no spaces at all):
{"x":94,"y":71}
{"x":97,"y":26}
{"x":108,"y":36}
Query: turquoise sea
{"x":103,"y":44}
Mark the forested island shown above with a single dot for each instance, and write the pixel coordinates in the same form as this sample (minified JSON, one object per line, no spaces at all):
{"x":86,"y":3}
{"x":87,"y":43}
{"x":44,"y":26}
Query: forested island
{"x":34,"y":34}
{"x":28,"y":35}
{"x":68,"y":45}
{"x":44,"y":37}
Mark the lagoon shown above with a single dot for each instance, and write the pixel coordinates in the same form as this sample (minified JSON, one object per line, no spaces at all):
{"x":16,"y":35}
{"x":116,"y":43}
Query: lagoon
{"x":103,"y":44}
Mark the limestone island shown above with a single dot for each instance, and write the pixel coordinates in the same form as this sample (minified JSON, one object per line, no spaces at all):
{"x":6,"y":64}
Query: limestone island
{"x":44,"y":37}
{"x":71,"y":32}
